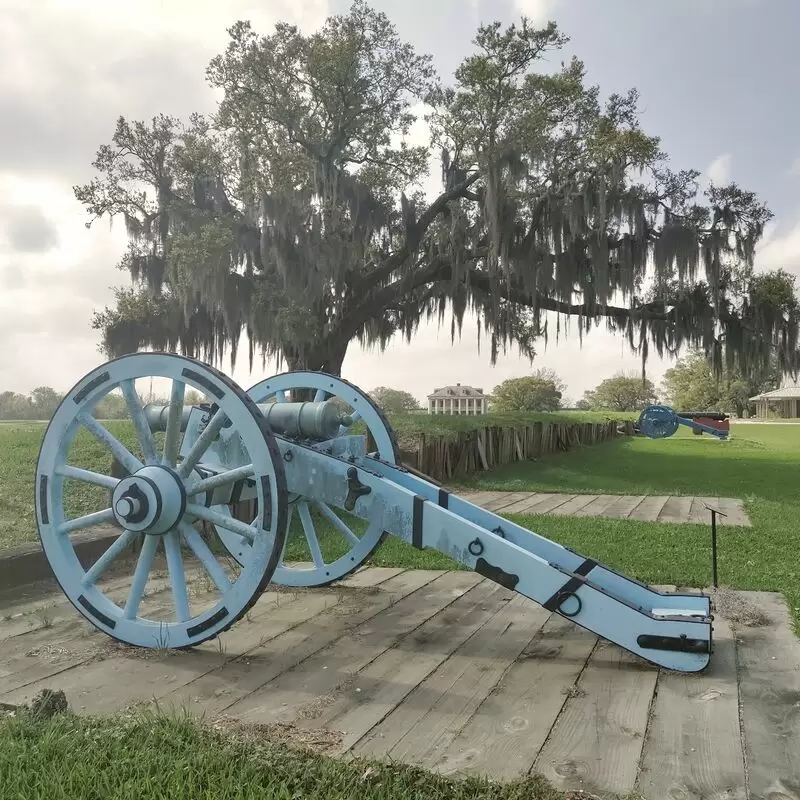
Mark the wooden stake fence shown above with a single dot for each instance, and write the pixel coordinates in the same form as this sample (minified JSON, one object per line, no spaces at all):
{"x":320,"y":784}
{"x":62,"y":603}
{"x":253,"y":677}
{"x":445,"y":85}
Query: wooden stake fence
{"x":474,"y":451}
{"x":481,"y":449}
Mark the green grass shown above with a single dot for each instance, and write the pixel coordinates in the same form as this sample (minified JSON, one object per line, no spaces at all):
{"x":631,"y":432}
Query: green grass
{"x":759,"y":464}
{"x":160,"y":757}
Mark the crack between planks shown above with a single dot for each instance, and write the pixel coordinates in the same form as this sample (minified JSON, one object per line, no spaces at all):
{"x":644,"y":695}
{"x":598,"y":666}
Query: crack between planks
{"x":740,"y":707}
{"x":344,"y":633}
{"x":651,"y":710}
{"x":99,"y":657}
{"x":567,"y":698}
{"x":499,"y":681}
{"x":425,"y":677}
{"x":494,"y":685}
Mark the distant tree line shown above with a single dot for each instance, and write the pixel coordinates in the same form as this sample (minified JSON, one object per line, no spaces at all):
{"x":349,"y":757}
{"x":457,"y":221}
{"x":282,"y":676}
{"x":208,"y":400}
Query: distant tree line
{"x":42,"y":402}
{"x":690,"y":385}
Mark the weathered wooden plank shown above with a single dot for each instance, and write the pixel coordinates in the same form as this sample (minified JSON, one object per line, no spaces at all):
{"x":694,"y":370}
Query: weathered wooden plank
{"x":649,"y":509}
{"x":713,"y":502}
{"x":699,"y":514}
{"x":49,"y":651}
{"x":769,"y":691}
{"x":596,"y":742}
{"x":389,"y":679}
{"x":597,"y":507}
{"x":422,"y":728}
{"x":693,"y":747}
{"x":221,"y":687}
{"x":623,"y":505}
{"x":528,"y":502}
{"x":507,"y":731}
{"x":369,"y":576}
{"x":554,"y":501}
{"x":676,"y":509}
{"x":578,"y":502}
{"x":481,"y":498}
{"x":734,"y":511}
{"x":122,"y":674}
{"x":57,"y":608}
{"x":318,"y":678}
{"x":533,"y":505}
{"x":499,"y":504}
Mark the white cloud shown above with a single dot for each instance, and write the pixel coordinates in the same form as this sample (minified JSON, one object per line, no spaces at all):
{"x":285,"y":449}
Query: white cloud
{"x":794,"y":169}
{"x":538,"y":11}
{"x":780,"y":248}
{"x":719,"y":170}
{"x":68,"y":68}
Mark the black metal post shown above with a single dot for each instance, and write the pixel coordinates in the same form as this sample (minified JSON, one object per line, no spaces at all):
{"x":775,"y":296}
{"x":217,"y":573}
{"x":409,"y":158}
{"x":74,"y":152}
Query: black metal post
{"x":714,"y":548}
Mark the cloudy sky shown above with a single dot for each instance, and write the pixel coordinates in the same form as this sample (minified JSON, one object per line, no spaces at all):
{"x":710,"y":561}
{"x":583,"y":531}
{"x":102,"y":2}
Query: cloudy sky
{"x":718,"y":81}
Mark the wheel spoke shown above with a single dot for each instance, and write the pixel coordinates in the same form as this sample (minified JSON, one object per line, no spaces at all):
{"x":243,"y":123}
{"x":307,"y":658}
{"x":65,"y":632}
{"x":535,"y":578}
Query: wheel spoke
{"x":220,"y":479}
{"x":140,"y":576}
{"x":146,"y":440}
{"x":177,"y":577}
{"x":173,"y":431}
{"x":280,"y":396}
{"x":311,"y":534}
{"x":320,"y":395}
{"x":223,"y":520}
{"x":86,"y":521}
{"x":337,"y":523}
{"x":105,"y":560}
{"x":289,"y":518}
{"x":87,"y":476}
{"x":118,"y":450}
{"x":204,"y":555}
{"x":202,"y":443}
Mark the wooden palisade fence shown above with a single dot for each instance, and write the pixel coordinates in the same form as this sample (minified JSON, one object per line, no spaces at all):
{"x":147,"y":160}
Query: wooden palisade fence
{"x":443,"y":459}
{"x":474,"y":451}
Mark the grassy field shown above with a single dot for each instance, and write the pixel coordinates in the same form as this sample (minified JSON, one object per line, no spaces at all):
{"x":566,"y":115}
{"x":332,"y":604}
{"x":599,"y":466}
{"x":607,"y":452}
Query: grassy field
{"x":759,"y":464}
{"x":159,"y":757}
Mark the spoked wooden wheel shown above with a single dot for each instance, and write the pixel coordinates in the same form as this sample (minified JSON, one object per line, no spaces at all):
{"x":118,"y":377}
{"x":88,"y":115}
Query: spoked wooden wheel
{"x":158,"y":502}
{"x":335,"y":544}
{"x":658,"y":422}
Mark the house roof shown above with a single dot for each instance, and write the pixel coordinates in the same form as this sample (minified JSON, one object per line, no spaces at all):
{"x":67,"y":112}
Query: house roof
{"x":786,"y":393}
{"x":457,"y":391}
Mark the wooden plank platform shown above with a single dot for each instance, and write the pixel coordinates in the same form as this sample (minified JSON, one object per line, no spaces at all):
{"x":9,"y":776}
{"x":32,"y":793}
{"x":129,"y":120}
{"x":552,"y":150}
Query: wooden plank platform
{"x":648,"y":508}
{"x":454,"y":673}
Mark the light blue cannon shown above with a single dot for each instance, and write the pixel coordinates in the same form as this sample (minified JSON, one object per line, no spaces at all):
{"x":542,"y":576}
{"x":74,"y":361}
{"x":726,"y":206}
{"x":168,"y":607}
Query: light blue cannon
{"x":661,"y":422}
{"x":332,"y":452}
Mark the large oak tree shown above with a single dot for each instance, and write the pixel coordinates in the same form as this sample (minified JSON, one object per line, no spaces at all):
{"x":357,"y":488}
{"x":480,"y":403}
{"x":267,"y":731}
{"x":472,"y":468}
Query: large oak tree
{"x":294,"y":213}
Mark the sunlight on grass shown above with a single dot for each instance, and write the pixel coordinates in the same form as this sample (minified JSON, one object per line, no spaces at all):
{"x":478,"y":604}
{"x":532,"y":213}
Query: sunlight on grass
{"x":149,"y":756}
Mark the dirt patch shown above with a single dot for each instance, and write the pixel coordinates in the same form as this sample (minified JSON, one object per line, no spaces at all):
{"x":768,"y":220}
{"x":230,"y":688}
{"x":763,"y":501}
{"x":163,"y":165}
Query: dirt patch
{"x":52,"y":653}
{"x":736,"y":608}
{"x":317,"y":739}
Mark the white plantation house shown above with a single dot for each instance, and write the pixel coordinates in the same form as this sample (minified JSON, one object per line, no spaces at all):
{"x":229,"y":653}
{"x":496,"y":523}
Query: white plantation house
{"x":783,"y":402}
{"x":457,"y":399}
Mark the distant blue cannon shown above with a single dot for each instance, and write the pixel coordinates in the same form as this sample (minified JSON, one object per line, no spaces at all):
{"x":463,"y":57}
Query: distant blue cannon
{"x":661,"y":422}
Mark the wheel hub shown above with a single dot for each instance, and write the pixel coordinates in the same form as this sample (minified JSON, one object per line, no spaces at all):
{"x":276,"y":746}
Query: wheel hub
{"x":152,"y":500}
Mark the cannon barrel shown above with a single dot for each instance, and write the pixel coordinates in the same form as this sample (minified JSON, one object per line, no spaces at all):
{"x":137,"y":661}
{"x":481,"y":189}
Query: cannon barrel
{"x":308,"y":420}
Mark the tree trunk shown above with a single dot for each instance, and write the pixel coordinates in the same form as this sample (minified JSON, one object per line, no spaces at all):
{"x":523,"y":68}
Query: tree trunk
{"x":321,"y":356}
